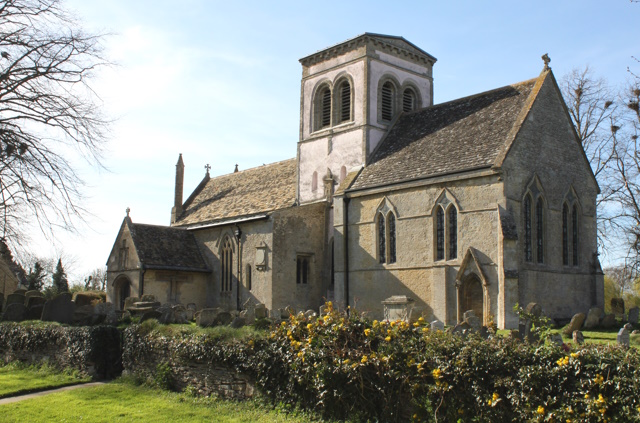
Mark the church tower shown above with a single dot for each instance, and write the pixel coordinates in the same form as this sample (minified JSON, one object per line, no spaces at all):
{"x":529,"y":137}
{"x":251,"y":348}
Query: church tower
{"x":351,"y":94}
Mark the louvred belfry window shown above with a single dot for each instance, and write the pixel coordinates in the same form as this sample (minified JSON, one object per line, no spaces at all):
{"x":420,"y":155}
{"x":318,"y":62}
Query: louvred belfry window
{"x":326,"y":108}
{"x":387,"y":101}
{"x":408,"y":100}
{"x":345,"y":102}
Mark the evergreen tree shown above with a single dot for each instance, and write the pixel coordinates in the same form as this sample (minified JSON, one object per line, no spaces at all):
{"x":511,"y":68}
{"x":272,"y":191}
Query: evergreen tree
{"x":59,"y":278}
{"x":35,"y":277}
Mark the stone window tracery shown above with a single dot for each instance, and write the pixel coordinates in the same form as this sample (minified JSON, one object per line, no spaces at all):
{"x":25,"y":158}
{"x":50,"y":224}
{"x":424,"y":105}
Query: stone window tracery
{"x":539,"y":231}
{"x":386,"y":234}
{"x":446,"y":231}
{"x":574,"y":234}
{"x":226,"y":262}
{"x":453,"y":232}
{"x":565,"y":234}
{"x":528,"y":256}
{"x":440,"y":234}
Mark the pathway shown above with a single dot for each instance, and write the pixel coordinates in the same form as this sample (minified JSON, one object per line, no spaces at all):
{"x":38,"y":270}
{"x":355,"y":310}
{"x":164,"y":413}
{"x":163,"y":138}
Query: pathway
{"x":9,"y":400}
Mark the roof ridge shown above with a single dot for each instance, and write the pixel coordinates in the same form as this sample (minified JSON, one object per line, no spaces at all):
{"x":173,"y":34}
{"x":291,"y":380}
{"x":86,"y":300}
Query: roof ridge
{"x":252,"y":168}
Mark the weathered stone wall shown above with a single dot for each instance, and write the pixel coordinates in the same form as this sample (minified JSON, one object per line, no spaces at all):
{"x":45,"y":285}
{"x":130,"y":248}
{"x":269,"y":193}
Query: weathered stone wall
{"x":117,"y":271}
{"x":177,"y":287}
{"x":416,"y":273}
{"x":299,"y":230}
{"x":547,"y":148}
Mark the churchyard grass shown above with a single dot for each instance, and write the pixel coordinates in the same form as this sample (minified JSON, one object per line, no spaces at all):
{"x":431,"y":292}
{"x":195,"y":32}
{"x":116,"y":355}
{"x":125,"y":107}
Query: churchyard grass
{"x":592,"y":337}
{"x":16,"y":379}
{"x":122,"y":401}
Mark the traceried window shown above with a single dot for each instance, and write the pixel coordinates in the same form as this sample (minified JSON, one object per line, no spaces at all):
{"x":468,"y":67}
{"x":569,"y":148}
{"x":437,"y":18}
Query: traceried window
{"x":344,"y":102}
{"x":302,"y":269}
{"x":440,"y":234}
{"x":565,"y":234}
{"x":226,"y":261}
{"x":453,"y":232}
{"x":574,"y":234}
{"x":540,"y":231}
{"x":528,"y":255}
{"x":386,"y":233}
{"x":408,"y":100}
{"x":387,"y":101}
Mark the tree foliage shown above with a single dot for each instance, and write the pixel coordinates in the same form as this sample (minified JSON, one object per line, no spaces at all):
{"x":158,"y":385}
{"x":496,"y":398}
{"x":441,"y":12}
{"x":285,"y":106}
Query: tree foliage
{"x":47,"y":112}
{"x":59,"y":278}
{"x":35,"y":277}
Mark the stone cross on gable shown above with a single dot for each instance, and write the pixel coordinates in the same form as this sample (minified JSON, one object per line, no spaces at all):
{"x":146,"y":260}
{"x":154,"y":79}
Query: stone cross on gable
{"x":128,"y":210}
{"x":207,"y":167}
{"x":546,"y":59}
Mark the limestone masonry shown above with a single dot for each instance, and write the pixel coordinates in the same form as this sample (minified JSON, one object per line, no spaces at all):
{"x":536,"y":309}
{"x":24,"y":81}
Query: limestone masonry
{"x":474,"y":204}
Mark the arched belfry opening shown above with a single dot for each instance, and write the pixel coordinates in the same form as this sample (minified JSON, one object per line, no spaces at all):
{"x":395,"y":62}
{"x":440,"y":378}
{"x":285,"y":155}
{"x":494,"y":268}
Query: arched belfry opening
{"x":122,"y":286}
{"x":472,"y":288}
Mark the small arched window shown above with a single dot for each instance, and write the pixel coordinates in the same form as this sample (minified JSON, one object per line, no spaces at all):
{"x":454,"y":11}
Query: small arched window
{"x":322,"y":108}
{"x":540,"y":231}
{"x":440,"y":234}
{"x":226,"y":261}
{"x":528,"y":256}
{"x":574,"y":235}
{"x":343,"y":173}
{"x":453,"y":232}
{"x":408,"y":100}
{"x":344,"y":102}
{"x":382,"y":239}
{"x":387,"y":107}
{"x":314,"y":182}
{"x":565,"y":234}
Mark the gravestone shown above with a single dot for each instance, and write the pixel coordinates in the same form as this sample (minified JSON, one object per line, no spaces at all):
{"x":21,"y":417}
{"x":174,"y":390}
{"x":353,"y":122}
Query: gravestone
{"x":180,"y":313}
{"x":223,"y":318}
{"x":556,"y":339}
{"x":608,"y":321}
{"x":534,"y":309}
{"x":461,"y":329}
{"x":398,"y":307}
{"x":148,"y":298}
{"x":309,"y":314}
{"x":515,"y":334}
{"x":623,"y":337}
{"x":15,"y":312}
{"x":83,"y":315}
{"x":576,"y":323}
{"x":32,"y":293}
{"x":286,"y":312}
{"x":237,"y":323}
{"x":190,"y":312}
{"x":260,"y":311}
{"x":1,"y":301}
{"x":15,"y":298}
{"x":324,"y":309}
{"x":617,"y":307}
{"x":34,"y":312}
{"x":151,"y":314}
{"x":83,"y":299}
{"x":206,"y":317}
{"x":108,"y":310}
{"x":633,"y":315}
{"x":59,"y":309}
{"x":594,"y":317}
{"x":468,"y":314}
{"x":130,"y":301}
{"x":437,"y":325}
{"x":578,"y":338}
{"x":35,"y":301}
{"x":20,"y":291}
{"x":474,"y":323}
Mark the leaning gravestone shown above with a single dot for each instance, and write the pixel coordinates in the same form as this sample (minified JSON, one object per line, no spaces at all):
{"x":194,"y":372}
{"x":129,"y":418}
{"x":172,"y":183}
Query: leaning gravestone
{"x":578,"y":337}
{"x":576,"y":323}
{"x":474,"y":323}
{"x":437,"y":325}
{"x":15,"y":298}
{"x":206,"y":317}
{"x":617,"y":307}
{"x":223,"y":318}
{"x":633,"y":315}
{"x":260,"y":311}
{"x":608,"y":321}
{"x":623,"y":337}
{"x":468,"y":314}
{"x":130,"y":301}
{"x":594,"y":317}
{"x":557,"y":339}
{"x":59,"y":309}
{"x":15,"y":312}
{"x":237,"y":323}
{"x":534,"y":309}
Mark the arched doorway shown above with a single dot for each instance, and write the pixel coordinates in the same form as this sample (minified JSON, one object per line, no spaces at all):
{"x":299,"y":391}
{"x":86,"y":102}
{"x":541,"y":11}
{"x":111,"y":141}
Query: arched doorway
{"x":123,"y":291}
{"x":473,"y":296}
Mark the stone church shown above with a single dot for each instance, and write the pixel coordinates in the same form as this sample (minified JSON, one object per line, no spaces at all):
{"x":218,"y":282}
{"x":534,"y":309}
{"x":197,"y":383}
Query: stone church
{"x":477,"y":203}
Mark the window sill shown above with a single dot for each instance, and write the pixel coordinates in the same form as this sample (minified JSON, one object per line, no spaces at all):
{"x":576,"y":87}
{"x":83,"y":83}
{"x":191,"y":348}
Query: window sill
{"x":330,"y":129}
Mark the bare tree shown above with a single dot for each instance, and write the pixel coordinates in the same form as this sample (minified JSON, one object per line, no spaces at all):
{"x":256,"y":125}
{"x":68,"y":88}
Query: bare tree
{"x":48,"y":112}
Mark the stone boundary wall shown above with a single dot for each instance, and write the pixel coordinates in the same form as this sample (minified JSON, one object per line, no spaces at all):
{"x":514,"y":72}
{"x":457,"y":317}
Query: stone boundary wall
{"x":192,"y":362}
{"x":94,"y":350}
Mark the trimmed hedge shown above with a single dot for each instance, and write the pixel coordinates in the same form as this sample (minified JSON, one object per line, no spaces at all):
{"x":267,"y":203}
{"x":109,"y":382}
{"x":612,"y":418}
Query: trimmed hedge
{"x":93,"y":350}
{"x":348,"y":367}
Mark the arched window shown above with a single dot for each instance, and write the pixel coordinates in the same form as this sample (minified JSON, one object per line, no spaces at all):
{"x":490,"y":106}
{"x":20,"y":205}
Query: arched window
{"x":440,"y":234}
{"x":574,"y":235}
{"x":528,"y":256}
{"x":343,"y":173}
{"x":565,"y":234}
{"x":382,"y":239}
{"x":387,"y":105}
{"x":314,"y":182}
{"x":226,"y":262}
{"x":344,"y":102}
{"x":391,"y":219}
{"x":408,"y":100}
{"x":322,"y":108}
{"x":453,"y":232}
{"x":248,"y":277}
{"x":539,"y":231}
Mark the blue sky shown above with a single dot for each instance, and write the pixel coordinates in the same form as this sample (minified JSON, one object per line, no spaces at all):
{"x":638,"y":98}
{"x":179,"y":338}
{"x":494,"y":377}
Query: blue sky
{"x":220,"y":81}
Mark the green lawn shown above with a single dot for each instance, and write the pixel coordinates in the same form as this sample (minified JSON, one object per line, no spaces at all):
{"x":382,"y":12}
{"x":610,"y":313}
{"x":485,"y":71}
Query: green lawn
{"x":593,"y":337}
{"x":16,"y":379}
{"x":124,"y":402}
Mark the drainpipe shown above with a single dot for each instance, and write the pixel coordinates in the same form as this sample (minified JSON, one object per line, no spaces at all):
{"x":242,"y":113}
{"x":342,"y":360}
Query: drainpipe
{"x":345,"y":223}
{"x":238,"y":234}
{"x":141,"y":280}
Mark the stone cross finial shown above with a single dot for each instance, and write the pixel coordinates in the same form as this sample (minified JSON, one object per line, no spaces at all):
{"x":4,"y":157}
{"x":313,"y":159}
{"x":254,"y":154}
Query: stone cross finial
{"x":207,"y":167}
{"x":236,"y":169}
{"x":546,"y":59}
{"x":128,"y":210}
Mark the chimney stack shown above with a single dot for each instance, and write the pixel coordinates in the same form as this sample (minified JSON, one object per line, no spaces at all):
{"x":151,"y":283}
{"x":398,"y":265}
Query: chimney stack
{"x":176,"y":211}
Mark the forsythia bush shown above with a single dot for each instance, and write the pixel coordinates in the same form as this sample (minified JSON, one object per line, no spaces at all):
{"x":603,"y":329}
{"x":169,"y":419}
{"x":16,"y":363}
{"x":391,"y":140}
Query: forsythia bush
{"x":348,"y":367}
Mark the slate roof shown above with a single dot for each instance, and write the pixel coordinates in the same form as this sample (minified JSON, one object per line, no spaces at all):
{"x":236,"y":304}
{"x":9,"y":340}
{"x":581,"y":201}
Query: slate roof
{"x":164,"y":247}
{"x":249,"y":192}
{"x":464,"y":134}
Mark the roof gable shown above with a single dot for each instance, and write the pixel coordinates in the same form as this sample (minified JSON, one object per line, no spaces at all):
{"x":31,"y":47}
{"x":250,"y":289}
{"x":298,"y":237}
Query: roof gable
{"x":253,"y":191}
{"x":457,"y":136}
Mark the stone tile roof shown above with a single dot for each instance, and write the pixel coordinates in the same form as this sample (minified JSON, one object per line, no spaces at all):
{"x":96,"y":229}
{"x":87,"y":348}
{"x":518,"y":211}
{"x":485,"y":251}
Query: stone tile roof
{"x":164,"y":247}
{"x":249,"y":192}
{"x":464,"y":134}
